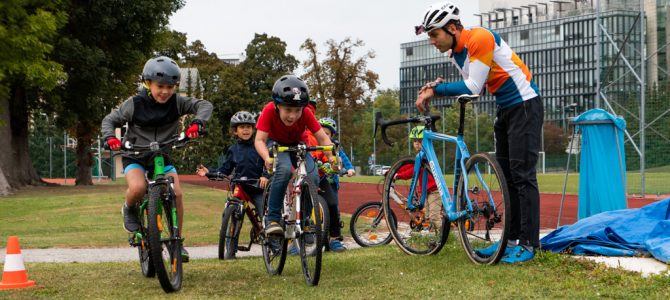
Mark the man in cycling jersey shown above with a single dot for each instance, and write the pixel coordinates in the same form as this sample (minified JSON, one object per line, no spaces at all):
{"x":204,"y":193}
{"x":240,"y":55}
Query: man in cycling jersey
{"x":484,"y":59}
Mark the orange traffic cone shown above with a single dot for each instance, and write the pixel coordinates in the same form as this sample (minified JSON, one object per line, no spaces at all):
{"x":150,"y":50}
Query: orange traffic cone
{"x":14,"y":275}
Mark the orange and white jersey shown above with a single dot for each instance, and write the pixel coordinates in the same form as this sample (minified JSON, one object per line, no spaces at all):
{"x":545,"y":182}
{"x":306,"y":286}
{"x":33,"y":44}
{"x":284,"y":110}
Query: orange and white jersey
{"x":482,"y":57}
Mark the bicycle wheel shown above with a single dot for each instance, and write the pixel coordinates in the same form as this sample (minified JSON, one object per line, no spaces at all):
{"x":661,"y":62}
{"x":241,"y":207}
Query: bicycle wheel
{"x":309,"y":242}
{"x":143,"y":250}
{"x":484,"y":233}
{"x":324,"y":217}
{"x":413,"y":231}
{"x":274,"y":247}
{"x":163,"y":241}
{"x":368,"y":227}
{"x":231,"y":225}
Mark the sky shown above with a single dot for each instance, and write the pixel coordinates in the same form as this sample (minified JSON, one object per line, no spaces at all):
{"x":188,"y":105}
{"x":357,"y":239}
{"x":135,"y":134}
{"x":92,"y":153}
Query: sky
{"x":226,"y":27}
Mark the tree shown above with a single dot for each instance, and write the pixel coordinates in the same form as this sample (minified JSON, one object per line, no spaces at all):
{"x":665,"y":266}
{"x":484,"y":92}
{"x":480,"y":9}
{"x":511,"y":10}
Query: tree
{"x":170,"y":43}
{"x":266,"y":60}
{"x":103,"y":48}
{"x":341,"y":82}
{"x":27,"y":35}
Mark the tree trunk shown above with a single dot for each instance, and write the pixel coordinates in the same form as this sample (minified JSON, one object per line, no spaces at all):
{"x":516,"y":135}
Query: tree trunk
{"x":84,"y":156}
{"x":15,"y":162}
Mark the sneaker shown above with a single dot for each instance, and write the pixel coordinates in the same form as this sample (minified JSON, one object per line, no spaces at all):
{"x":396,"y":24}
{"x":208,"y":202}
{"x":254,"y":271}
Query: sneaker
{"x":274,"y":229}
{"x":131,"y":220}
{"x":336,"y":246}
{"x":184,"y":255}
{"x":293,"y":249}
{"x":488,"y":251}
{"x":518,"y":254}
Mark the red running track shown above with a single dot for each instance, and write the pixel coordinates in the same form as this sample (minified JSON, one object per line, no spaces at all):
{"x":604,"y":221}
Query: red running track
{"x":353,"y":195}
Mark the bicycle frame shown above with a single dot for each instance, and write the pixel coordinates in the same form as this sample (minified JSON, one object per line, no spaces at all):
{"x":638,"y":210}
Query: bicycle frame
{"x":241,"y":197}
{"x":292,"y":207}
{"x":427,"y":152}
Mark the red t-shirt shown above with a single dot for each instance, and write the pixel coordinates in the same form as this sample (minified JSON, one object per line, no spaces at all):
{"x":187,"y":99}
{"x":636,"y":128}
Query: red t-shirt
{"x":282,"y":134}
{"x":407,"y":172}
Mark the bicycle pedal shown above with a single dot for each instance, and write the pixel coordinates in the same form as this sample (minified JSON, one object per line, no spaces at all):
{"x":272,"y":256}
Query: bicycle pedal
{"x":243,"y":248}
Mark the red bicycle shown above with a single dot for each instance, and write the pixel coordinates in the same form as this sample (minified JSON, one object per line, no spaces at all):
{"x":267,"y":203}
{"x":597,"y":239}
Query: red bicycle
{"x":238,"y":204}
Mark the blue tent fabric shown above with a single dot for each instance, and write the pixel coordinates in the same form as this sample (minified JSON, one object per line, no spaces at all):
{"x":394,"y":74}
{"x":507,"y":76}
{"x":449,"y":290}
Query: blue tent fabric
{"x":602,"y":171}
{"x":626,"y":232}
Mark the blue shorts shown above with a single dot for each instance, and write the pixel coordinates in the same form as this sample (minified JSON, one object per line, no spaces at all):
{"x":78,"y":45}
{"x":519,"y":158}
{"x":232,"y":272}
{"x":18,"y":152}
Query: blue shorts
{"x":166,"y":169}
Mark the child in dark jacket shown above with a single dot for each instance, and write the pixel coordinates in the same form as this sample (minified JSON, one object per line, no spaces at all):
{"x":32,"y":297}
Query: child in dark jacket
{"x":243,"y":158}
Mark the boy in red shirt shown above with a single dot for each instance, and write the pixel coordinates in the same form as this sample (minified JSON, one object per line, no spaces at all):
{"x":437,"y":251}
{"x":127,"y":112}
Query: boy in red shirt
{"x":283,"y":121}
{"x":433,"y":203}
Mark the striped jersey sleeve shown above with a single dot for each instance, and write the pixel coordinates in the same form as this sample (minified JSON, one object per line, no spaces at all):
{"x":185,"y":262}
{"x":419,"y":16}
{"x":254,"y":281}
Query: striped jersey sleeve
{"x":484,"y":59}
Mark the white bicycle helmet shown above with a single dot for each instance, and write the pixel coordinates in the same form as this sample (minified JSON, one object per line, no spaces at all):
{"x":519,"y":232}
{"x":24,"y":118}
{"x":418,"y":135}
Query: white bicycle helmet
{"x":437,"y":16}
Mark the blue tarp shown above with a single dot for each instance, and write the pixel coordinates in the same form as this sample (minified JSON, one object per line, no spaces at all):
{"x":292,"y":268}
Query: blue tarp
{"x":602,"y":173}
{"x":626,"y":232}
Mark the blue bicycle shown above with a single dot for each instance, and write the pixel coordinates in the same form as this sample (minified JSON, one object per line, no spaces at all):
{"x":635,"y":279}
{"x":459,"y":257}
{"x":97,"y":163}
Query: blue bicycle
{"x":415,"y":190}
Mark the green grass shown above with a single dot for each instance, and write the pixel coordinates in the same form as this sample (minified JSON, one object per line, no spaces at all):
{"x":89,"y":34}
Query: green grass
{"x":89,"y":217}
{"x":657,"y":182}
{"x":68,"y":216}
{"x":370,"y":273}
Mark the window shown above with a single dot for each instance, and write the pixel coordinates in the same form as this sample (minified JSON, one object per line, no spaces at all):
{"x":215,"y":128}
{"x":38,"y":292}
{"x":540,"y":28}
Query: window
{"x":409,"y":51}
{"x":524,"y":34}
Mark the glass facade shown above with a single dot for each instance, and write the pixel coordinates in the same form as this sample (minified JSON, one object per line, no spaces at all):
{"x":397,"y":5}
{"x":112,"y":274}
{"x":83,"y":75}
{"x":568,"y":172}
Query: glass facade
{"x":561,"y":55}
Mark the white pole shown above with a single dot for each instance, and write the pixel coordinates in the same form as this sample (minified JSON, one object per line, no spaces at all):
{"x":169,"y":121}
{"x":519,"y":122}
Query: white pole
{"x":65,"y":158}
{"x":50,"y":161}
{"x":99,"y":161}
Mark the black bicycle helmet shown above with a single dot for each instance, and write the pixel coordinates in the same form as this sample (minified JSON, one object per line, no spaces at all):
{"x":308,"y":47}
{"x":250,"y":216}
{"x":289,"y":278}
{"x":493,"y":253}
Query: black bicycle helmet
{"x":161,"y":69}
{"x":290,"y":90}
{"x":242,"y":117}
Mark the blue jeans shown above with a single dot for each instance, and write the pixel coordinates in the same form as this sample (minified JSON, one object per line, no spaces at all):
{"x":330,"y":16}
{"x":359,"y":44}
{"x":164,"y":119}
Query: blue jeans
{"x":285,"y":164}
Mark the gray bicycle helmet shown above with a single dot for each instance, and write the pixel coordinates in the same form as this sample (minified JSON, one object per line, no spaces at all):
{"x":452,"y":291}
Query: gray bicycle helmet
{"x":161,"y":69}
{"x":242,"y":117}
{"x":290,"y":90}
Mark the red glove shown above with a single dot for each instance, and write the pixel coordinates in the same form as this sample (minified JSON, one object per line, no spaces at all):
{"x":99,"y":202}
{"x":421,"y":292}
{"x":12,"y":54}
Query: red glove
{"x":193,"y":131}
{"x":114,"y":143}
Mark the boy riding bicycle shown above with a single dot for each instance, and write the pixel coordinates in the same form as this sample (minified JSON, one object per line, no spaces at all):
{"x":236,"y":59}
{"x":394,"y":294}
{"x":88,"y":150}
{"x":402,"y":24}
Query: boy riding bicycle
{"x":484,"y":58}
{"x":433,"y":208}
{"x":283,"y":121}
{"x":243,"y":158}
{"x":153,"y":115}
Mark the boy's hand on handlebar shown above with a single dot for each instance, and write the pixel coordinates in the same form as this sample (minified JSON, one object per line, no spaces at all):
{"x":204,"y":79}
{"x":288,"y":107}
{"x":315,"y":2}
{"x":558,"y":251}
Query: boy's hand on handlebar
{"x":268,"y":164}
{"x":351,"y":172}
{"x":263,"y":182}
{"x":114,"y":143}
{"x":201,"y":170}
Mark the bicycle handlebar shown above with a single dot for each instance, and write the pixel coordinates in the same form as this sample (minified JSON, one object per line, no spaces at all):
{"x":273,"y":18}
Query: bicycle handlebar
{"x":426,"y":119}
{"x":177,"y":141}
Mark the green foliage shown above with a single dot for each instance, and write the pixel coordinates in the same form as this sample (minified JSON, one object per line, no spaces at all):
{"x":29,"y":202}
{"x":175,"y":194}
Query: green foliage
{"x":170,"y":43}
{"x":27,"y":34}
{"x":266,"y":60}
{"x":555,"y":139}
{"x":342,"y":83}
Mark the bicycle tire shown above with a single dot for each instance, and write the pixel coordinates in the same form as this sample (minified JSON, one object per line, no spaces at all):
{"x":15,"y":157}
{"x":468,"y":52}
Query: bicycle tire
{"x":368,"y":227}
{"x":487,"y":224}
{"x":410,"y":230}
{"x":309,"y":245}
{"x":165,"y":252}
{"x":325,"y":219}
{"x":273,"y":247}
{"x":231,"y":226}
{"x":380,"y":186}
{"x":143,"y":250}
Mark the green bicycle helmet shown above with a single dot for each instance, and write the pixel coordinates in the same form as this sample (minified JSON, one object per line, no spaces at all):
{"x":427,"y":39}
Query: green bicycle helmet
{"x":417,"y":132}
{"x":329,"y":123}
